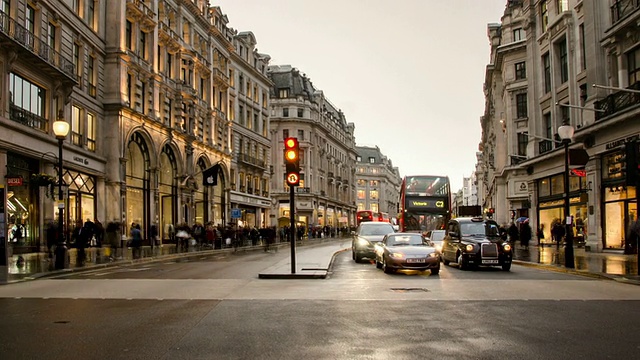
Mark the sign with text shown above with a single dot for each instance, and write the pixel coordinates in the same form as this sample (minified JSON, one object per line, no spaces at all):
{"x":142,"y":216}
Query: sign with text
{"x":427,"y":204}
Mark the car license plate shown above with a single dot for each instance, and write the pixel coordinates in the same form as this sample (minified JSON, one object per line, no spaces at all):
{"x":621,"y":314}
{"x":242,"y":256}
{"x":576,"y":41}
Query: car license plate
{"x":416,"y":260}
{"x":490,"y":261}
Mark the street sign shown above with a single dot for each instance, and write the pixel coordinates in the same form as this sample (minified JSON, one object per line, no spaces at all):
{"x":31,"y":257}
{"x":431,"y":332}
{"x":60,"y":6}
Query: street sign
{"x":236,"y":213}
{"x":304,"y":190}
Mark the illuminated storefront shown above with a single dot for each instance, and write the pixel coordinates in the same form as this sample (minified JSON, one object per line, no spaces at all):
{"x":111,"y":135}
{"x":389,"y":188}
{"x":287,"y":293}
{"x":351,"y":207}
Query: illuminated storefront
{"x":619,"y":202}
{"x":551,"y":205}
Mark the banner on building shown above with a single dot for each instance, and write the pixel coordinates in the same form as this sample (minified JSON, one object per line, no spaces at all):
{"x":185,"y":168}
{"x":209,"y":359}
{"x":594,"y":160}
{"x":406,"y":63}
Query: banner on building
{"x":210,"y":176}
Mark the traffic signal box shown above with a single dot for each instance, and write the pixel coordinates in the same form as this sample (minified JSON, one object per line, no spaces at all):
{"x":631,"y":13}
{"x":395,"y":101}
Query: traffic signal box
{"x":292,"y":161}
{"x":630,"y":164}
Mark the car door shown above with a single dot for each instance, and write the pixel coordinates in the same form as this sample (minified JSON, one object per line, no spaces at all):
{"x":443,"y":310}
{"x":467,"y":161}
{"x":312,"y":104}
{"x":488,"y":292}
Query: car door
{"x":449,"y":245}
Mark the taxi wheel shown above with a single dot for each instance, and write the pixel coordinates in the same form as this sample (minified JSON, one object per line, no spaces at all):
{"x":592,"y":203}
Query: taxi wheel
{"x":435,"y":271}
{"x":445,"y":261}
{"x":461,"y":264}
{"x":378,"y":264}
{"x":506,"y":267}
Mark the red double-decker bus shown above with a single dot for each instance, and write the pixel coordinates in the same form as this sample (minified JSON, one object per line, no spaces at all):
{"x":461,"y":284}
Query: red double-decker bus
{"x":425,"y":203}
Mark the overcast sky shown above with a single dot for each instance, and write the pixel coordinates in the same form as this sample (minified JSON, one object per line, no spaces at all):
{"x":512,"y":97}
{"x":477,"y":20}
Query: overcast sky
{"x":407,"y":73}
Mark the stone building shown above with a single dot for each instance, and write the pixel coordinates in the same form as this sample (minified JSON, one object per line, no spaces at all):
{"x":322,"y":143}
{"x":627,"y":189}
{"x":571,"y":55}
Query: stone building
{"x":250,"y":137}
{"x":377,"y":182}
{"x":145,"y":86}
{"x":554,"y":63}
{"x":326,"y":195}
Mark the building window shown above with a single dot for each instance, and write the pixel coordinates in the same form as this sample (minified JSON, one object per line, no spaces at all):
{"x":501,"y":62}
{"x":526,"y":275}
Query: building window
{"x":300,"y":135}
{"x":633,"y":64}
{"x":362,"y":182}
{"x":232,"y":78}
{"x":374,"y":195}
{"x":361,"y":194}
{"x":30,"y":21}
{"x":128,"y":34}
{"x":92,"y":76}
{"x":31,"y":99}
{"x":521,"y":71}
{"x":359,"y":158}
{"x":546,"y":64}
{"x":518,"y":34}
{"x":283,"y":93}
{"x":374,"y":183}
{"x":76,"y":59}
{"x":129,"y":90}
{"x":583,"y":49}
{"x":544,"y":16}
{"x":52,"y":36}
{"x":91,"y":132}
{"x":300,"y":112}
{"x":564,"y":63}
{"x":562,"y":5}
{"x":241,"y":113}
{"x":523,"y":139}
{"x":76,"y":126}
{"x":521,"y":106}
{"x":4,"y":6}
{"x":372,"y":160}
{"x":548,"y":126}
{"x":91,"y":15}
{"x":565,"y":115}
{"x":285,"y":112}
{"x":142,"y":52}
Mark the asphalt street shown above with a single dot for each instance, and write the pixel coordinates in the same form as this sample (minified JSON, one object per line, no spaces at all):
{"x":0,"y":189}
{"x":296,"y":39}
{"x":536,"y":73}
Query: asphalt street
{"x":215,"y":307}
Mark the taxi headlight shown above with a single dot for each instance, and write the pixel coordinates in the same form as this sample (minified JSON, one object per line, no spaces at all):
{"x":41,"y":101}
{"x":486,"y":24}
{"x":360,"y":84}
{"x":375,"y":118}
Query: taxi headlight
{"x":433,"y":254}
{"x":439,"y":247}
{"x":396,"y":255}
{"x":363,"y":242}
{"x":506,"y":247}
{"x":469,"y":248}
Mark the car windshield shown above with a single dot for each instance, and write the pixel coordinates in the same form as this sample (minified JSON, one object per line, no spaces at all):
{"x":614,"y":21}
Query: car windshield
{"x":479,"y":228}
{"x":376,"y":230}
{"x":437,"y":236}
{"x":400,"y":240}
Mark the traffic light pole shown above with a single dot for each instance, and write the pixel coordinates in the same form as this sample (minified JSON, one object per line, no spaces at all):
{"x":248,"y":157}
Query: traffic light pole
{"x":292,"y":228}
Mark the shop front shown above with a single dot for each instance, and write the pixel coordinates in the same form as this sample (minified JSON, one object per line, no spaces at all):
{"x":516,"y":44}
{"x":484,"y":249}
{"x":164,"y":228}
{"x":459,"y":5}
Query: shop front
{"x":619,"y":206}
{"x":551,"y":206}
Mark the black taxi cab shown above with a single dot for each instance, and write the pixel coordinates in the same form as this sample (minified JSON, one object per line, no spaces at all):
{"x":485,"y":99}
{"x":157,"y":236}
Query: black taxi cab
{"x":473,"y":241}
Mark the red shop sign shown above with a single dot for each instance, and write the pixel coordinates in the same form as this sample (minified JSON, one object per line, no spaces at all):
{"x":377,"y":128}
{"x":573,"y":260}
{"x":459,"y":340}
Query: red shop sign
{"x":14,"y":181}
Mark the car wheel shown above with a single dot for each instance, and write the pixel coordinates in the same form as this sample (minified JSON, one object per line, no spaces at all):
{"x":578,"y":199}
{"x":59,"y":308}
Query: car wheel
{"x":506,"y":267}
{"x":385,"y":268}
{"x":358,"y":258}
{"x":378,"y":264}
{"x":353,"y":254}
{"x":435,"y":271}
{"x":461,"y":264}
{"x":445,"y":261}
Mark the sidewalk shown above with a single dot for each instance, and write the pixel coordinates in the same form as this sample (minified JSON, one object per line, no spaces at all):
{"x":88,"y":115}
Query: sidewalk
{"x":609,"y":264}
{"x":32,"y":266}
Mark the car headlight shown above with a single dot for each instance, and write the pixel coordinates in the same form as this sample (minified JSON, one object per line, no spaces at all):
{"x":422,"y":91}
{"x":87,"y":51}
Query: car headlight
{"x":363,"y":242}
{"x":396,"y":255}
{"x":439,"y":247}
{"x":433,"y":254}
{"x":506,"y":247}
{"x":469,"y":248}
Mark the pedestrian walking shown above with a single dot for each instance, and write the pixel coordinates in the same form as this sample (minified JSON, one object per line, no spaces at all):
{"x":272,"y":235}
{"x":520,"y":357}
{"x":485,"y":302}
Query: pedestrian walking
{"x":136,"y":240}
{"x":557,"y":232}
{"x":514,"y":233}
{"x":540,"y":234}
{"x":112,"y":238}
{"x":525,"y":234}
{"x":52,"y":237}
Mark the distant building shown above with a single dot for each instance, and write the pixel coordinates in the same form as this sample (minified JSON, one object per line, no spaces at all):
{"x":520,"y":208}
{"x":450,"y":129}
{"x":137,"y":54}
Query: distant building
{"x":377,"y":182}
{"x":326,"y":195}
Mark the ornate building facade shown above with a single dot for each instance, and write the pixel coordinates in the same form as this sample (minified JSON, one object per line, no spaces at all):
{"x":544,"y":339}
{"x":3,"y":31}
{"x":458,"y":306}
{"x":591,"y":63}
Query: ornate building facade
{"x":326,"y":195}
{"x":249,"y":114}
{"x":377,"y":182}
{"x":145,"y":86}
{"x":553,"y":63}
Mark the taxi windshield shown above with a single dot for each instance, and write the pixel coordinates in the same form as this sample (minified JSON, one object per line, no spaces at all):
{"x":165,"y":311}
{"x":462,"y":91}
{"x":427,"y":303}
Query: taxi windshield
{"x":479,"y":228}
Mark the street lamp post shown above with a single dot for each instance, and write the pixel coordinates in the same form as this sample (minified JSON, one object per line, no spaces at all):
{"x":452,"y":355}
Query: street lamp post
{"x":566,"y":133}
{"x":61,"y":130}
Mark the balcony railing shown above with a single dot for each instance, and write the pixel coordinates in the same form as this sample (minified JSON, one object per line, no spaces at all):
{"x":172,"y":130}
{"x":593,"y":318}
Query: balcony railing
{"x":247,"y":159}
{"x":617,"y":101}
{"x":28,"y":118}
{"x":41,"y":49}
{"x":622,"y":8}
{"x":545,"y":146}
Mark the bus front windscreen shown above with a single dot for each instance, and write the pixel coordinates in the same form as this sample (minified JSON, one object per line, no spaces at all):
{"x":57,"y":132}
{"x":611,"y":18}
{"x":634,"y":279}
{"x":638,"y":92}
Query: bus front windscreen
{"x":414,"y":221}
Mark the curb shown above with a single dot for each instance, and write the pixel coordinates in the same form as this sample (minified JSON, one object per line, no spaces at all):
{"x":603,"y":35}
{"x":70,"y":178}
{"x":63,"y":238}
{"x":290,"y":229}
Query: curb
{"x":559,"y":269}
{"x":153,"y":259}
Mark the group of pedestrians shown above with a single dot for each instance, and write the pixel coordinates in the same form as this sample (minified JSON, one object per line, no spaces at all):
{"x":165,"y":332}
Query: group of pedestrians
{"x":518,"y":232}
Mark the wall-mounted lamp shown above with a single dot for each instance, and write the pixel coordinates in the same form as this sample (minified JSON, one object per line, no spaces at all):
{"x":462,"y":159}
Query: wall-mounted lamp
{"x":633,"y":91}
